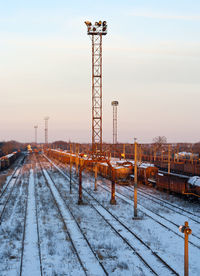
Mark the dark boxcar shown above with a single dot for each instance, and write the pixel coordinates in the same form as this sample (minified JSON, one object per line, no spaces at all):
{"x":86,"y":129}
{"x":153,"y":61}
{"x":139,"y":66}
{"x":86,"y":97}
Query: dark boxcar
{"x":197,"y":169}
{"x":173,"y":183}
{"x":162,"y":182}
{"x":178,"y":184}
{"x":189,"y":168}
{"x":178,"y":167}
{"x":3,"y":163}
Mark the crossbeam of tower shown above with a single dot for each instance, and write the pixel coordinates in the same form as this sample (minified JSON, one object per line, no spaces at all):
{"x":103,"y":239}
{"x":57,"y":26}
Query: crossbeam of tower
{"x":96,"y":32}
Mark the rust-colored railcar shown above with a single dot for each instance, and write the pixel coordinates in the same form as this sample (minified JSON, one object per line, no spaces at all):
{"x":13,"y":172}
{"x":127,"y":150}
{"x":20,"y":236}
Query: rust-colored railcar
{"x":7,"y":160}
{"x":147,"y":173}
{"x":172,"y":183}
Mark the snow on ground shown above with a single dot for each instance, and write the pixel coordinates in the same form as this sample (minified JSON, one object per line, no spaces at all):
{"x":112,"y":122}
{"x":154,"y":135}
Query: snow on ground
{"x":168,"y":245}
{"x":113,"y":252}
{"x":31,"y":260}
{"x":108,"y":240}
{"x":86,"y":255}
{"x":165,"y":211}
{"x":57,"y":254}
{"x":11,"y":229}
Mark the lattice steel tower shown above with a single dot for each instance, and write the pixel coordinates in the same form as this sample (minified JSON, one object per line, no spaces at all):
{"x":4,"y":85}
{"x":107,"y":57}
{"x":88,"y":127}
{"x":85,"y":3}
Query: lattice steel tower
{"x":96,"y":32}
{"x":115,"y":105}
{"x":46,"y":129}
{"x":35,"y":127}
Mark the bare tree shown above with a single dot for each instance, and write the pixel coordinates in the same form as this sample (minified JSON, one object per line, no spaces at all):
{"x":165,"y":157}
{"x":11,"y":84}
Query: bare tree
{"x":159,"y":141}
{"x":7,"y":148}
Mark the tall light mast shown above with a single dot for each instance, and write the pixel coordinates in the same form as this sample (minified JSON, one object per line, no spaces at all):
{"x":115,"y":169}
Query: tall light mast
{"x":115,"y":105}
{"x":36,"y":127}
{"x":46,"y":129}
{"x":96,"y":31}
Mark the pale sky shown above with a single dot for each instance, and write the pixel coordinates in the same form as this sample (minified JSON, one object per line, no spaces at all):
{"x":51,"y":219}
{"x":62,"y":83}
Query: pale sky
{"x":151,"y":65}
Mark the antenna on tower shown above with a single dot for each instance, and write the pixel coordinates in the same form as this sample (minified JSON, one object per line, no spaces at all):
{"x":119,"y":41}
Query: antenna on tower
{"x":36,"y":127}
{"x":115,"y":105}
{"x":96,"y":31}
{"x":46,"y":129}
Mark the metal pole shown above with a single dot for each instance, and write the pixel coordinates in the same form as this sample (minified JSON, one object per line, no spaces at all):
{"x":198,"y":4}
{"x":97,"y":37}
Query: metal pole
{"x":80,"y":201}
{"x":113,"y":200}
{"x":178,"y":153}
{"x":124,"y":151}
{"x":113,"y":125}
{"x":140,"y":154}
{"x":70,"y":179}
{"x":191,"y":156}
{"x":154,"y":158}
{"x":186,"y":255}
{"x":169,"y":157}
{"x":77,"y":151}
{"x":36,"y":134}
{"x":95,"y":176}
{"x":187,"y":231}
{"x":46,"y":129}
{"x":135,"y":181}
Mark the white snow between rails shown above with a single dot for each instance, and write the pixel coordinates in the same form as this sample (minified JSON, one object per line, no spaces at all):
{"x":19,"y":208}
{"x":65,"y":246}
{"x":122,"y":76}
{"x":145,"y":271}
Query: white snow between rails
{"x":31,"y":260}
{"x":86,"y":255}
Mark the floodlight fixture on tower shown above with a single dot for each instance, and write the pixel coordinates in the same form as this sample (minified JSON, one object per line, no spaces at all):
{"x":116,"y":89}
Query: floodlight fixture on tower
{"x":96,"y":31}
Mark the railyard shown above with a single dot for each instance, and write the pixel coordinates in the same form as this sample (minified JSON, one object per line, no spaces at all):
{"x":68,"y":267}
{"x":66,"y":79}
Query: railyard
{"x":74,"y":205}
{"x":44,"y":231}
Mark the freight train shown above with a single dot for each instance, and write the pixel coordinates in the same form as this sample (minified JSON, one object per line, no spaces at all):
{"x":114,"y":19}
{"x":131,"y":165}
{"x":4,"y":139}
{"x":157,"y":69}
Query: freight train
{"x":148,"y":173}
{"x":179,"y":184}
{"x":7,"y":160}
{"x":183,"y":166}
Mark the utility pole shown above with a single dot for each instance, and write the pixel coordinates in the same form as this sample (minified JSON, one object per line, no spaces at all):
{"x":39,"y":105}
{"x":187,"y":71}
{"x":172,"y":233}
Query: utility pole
{"x":177,"y":152}
{"x":135,"y":181}
{"x":36,"y":127}
{"x":140,"y":153}
{"x":96,"y":31}
{"x":169,"y":157}
{"x":124,"y":151}
{"x":46,"y":130}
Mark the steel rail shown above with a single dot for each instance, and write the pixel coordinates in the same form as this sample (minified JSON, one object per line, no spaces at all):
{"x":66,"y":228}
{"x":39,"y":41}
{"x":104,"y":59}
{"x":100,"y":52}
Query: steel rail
{"x":135,"y":235}
{"x":165,"y":203}
{"x":65,"y":226}
{"x":12,"y":176}
{"x":9,"y":195}
{"x":24,"y":233}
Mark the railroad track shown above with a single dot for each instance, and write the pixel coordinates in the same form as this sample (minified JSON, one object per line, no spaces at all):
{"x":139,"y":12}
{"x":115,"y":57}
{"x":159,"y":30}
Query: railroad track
{"x":139,"y":247}
{"x":12,"y":215}
{"x":14,"y":175}
{"x":31,"y":263}
{"x":7,"y":192}
{"x":88,"y":260}
{"x":168,"y":224}
{"x":164,"y":203}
